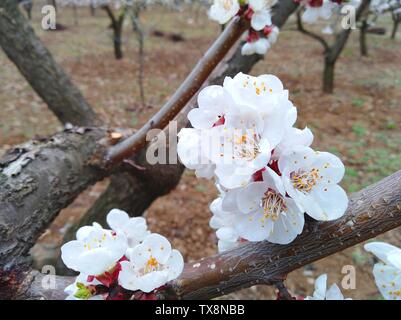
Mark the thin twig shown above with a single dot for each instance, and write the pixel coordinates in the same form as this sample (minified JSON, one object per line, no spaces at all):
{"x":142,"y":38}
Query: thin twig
{"x":283,"y":293}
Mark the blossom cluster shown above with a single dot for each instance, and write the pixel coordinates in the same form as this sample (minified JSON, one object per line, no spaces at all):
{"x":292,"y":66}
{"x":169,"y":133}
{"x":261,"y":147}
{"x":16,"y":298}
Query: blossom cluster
{"x":387,"y":271}
{"x":317,"y":9}
{"x":261,"y":34}
{"x":244,"y":137}
{"x":127,"y":258}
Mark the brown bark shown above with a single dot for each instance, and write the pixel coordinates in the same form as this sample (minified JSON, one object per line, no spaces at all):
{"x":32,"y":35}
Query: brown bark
{"x":117,"y":26}
{"x":328,"y":76}
{"x":396,"y":21}
{"x":38,"y":179}
{"x":362,"y":38}
{"x":34,"y":61}
{"x":372,"y":211}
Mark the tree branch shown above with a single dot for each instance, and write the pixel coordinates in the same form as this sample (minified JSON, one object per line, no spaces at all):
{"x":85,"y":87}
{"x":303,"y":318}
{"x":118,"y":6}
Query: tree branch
{"x":38,"y":179}
{"x":372,"y":211}
{"x":301,"y":28}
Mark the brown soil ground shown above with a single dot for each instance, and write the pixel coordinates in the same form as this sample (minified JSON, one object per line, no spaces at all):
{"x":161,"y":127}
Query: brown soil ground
{"x":360,"y":121}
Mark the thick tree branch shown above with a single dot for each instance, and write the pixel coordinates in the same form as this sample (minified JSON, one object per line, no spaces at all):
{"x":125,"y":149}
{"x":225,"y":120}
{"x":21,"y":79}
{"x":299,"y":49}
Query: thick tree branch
{"x":38,"y":179}
{"x":372,"y":211}
{"x":27,"y":52}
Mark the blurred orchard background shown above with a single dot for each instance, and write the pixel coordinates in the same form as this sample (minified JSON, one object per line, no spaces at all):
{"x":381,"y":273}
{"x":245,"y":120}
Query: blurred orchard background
{"x":360,"y":121}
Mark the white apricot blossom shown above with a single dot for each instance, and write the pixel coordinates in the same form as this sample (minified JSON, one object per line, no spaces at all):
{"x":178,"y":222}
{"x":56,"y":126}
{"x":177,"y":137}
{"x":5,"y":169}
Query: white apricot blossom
{"x":238,"y":154}
{"x":260,"y":46}
{"x":245,"y":138}
{"x":311,"y":179}
{"x":191,"y":154}
{"x":213,"y":103}
{"x":223,"y":222}
{"x":387,"y":272}
{"x":223,"y":10}
{"x":265,"y":212}
{"x":242,"y":131}
{"x":151,"y":265}
{"x":315,"y":9}
{"x":322,"y":293}
{"x":268,"y":101}
{"x":135,"y":229}
{"x":95,"y":251}
{"x":261,"y":16}
{"x":293,"y":138}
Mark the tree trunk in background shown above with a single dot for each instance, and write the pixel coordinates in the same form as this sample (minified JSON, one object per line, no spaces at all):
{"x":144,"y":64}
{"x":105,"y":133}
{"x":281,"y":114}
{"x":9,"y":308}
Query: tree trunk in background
{"x":47,"y":78}
{"x":396,"y":22}
{"x":92,"y":9}
{"x":137,"y":28}
{"x":362,"y":38}
{"x":53,"y":3}
{"x":75,"y":13}
{"x":117,"y":40}
{"x":117,"y":26}
{"x":27,"y":5}
{"x":328,"y":76}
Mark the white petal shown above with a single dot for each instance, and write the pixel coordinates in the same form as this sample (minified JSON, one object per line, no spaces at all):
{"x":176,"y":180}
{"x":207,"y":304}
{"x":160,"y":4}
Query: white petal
{"x":381,"y":250}
{"x":334,"y":293}
{"x":320,"y":287}
{"x":152,"y":280}
{"x":310,"y":15}
{"x":250,"y":197}
{"x":331,"y":202}
{"x":159,"y":247}
{"x":388,"y":281}
{"x":117,"y":219}
{"x":260,"y":19}
{"x":330,"y":167}
{"x":252,"y":227}
{"x":248,"y":49}
{"x":262,"y":46}
{"x":175,"y":265}
{"x":127,"y":278}
{"x":273,"y":180}
{"x":227,"y":234}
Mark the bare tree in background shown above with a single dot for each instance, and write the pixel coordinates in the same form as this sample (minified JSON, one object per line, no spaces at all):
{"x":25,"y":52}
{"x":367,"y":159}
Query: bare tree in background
{"x":331,"y":52}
